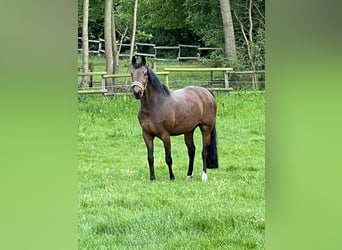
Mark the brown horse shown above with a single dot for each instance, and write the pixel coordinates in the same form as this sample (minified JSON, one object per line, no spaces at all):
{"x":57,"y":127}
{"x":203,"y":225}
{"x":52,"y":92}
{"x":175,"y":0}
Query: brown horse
{"x":164,"y":113}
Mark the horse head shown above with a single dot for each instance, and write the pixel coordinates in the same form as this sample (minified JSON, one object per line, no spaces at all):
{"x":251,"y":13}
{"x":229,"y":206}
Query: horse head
{"x":139,"y":77}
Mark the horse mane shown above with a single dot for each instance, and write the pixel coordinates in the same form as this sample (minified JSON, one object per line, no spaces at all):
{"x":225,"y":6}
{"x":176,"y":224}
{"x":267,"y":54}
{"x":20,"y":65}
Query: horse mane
{"x":156,"y":84}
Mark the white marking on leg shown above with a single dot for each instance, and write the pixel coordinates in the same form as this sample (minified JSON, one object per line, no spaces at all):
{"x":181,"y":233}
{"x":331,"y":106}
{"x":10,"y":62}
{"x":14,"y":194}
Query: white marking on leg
{"x":204,"y":177}
{"x":189,"y":177}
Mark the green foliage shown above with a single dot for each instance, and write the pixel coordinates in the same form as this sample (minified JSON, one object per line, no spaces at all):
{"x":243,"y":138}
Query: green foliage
{"x":218,"y":59}
{"x":96,"y":18}
{"x":259,"y":49}
{"x":196,"y":22}
{"x":143,"y":36}
{"x":168,"y":15}
{"x":204,"y":18}
{"x":240,"y":7}
{"x":119,"y":208}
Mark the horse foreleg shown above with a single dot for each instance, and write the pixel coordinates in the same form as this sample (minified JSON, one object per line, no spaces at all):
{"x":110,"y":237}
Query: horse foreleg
{"x":168,"y":158}
{"x":189,"y":142}
{"x":150,"y":158}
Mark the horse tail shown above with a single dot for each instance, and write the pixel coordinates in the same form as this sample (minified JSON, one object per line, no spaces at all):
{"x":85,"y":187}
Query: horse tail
{"x":212,"y":160}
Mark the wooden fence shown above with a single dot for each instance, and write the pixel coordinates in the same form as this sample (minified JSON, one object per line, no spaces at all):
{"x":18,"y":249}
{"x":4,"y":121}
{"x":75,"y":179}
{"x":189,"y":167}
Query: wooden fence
{"x":99,"y":87}
{"x":183,"y":51}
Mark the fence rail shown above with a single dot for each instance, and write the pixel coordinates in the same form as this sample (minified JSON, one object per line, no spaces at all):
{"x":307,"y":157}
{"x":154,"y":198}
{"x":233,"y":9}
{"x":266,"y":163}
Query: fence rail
{"x":185,"y":52}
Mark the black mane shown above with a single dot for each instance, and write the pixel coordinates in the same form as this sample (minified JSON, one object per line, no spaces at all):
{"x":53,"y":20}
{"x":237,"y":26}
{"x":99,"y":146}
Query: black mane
{"x":156,"y":84}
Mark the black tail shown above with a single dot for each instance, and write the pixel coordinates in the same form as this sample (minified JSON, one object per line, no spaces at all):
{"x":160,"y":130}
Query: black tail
{"x":212,"y":160}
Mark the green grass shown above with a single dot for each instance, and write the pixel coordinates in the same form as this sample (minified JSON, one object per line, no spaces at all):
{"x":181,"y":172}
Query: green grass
{"x":119,"y":208}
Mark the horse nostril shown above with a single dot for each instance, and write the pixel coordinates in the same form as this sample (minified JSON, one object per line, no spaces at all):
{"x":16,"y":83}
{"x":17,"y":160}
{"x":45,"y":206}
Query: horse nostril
{"x":137,"y":95}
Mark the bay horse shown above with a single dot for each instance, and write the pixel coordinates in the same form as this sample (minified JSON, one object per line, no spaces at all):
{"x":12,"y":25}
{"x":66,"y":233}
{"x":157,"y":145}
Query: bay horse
{"x":164,"y":113}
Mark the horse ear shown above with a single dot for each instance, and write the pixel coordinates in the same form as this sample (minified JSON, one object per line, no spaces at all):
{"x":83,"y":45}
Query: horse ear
{"x":143,"y":60}
{"x":134,"y":60}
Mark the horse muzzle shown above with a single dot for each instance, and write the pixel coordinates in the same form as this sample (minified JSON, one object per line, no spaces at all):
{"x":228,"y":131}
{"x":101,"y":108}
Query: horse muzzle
{"x":138,"y":89}
{"x":138,"y":95}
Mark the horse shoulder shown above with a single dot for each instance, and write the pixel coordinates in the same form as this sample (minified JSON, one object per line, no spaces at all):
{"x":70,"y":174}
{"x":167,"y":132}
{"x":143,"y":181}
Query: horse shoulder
{"x":150,"y":123}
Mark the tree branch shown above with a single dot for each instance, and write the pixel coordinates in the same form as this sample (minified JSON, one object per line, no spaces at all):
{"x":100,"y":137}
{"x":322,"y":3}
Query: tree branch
{"x":250,"y":33}
{"x":242,"y":29}
{"x":122,"y":37}
{"x":262,"y":16}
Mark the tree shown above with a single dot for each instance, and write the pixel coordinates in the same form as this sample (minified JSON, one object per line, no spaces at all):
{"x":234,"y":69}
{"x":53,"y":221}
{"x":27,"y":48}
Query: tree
{"x":108,"y":42}
{"x":197,"y":22}
{"x":85,"y":43}
{"x":250,"y":31}
{"x":228,"y":30}
{"x":115,"y":50}
{"x":134,"y":28}
{"x":135,"y":11}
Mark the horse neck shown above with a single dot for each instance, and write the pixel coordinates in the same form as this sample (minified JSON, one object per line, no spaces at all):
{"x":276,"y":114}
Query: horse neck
{"x":152,"y":98}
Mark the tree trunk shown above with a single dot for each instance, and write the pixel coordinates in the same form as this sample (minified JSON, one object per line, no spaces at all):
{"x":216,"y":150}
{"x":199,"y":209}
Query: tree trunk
{"x":228,"y":30}
{"x":133,"y":33}
{"x":134,"y":27}
{"x":108,"y":43}
{"x":85,"y":43}
{"x":249,"y":41}
{"x":115,"y":49}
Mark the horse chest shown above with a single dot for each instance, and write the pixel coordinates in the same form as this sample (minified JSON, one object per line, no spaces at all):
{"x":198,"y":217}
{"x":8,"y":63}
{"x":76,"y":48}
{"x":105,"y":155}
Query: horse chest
{"x":151,"y":123}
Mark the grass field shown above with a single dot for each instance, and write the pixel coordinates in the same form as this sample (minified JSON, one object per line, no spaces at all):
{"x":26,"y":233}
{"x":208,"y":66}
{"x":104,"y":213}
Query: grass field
{"x":119,"y":208}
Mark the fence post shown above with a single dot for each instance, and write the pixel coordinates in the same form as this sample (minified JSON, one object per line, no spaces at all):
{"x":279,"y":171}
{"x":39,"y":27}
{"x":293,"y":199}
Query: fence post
{"x":155,"y":65}
{"x":226,"y":81}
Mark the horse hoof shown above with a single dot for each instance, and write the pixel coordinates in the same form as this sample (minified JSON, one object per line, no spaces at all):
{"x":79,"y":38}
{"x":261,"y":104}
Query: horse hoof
{"x":204,"y":177}
{"x":189,"y":178}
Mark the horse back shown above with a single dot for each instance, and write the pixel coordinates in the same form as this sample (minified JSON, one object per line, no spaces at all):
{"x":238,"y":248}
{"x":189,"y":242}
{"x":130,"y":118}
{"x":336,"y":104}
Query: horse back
{"x":192,"y":106}
{"x":198,"y":97}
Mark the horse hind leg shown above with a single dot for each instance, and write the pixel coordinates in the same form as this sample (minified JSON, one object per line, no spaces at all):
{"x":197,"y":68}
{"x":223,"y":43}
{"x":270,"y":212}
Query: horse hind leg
{"x":206,"y":135}
{"x":205,"y":163}
{"x":189,"y":142}
{"x":209,"y":152}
